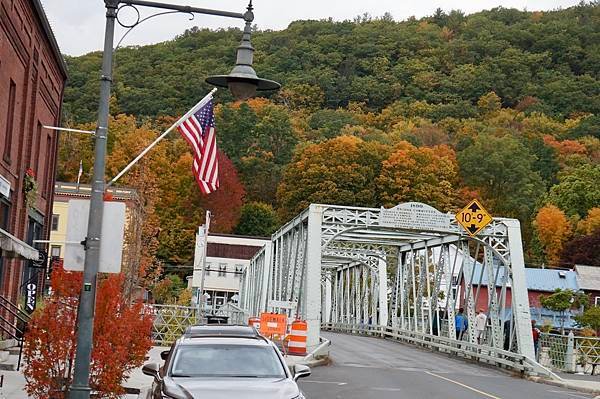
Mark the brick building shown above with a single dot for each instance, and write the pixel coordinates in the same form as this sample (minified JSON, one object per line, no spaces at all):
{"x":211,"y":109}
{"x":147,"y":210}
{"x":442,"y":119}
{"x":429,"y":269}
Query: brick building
{"x":32,"y":80}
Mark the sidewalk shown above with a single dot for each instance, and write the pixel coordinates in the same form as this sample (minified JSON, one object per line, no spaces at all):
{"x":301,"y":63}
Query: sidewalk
{"x":14,"y":385}
{"x":580,"y":382}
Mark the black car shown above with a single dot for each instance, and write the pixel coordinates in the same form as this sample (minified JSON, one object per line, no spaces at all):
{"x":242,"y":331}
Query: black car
{"x":217,"y":361}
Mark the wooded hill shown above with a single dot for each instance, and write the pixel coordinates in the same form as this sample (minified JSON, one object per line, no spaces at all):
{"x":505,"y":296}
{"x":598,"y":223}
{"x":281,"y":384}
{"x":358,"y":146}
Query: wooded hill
{"x":502,"y":105}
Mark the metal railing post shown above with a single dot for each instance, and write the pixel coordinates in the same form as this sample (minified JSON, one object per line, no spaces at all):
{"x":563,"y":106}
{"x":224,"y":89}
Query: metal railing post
{"x":570,"y":353}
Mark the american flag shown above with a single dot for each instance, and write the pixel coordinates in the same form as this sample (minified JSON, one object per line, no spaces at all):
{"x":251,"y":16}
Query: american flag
{"x":199,"y":131}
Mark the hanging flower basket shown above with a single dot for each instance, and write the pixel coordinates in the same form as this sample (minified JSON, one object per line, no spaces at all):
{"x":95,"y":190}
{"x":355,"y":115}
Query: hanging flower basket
{"x":30,"y":188}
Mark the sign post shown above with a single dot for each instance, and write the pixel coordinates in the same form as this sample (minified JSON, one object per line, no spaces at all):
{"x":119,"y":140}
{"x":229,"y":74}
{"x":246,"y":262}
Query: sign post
{"x":473,"y":218}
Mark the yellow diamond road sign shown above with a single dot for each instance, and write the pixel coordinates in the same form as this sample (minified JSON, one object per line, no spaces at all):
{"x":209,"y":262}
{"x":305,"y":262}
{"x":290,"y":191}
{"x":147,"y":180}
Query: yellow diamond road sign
{"x":473,"y":218}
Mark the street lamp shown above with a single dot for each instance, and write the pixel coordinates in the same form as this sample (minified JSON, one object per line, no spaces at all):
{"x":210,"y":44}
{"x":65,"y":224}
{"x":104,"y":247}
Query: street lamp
{"x":242,"y":81}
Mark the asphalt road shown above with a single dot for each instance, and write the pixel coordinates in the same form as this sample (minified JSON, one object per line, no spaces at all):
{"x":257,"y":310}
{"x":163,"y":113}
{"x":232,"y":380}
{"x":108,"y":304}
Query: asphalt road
{"x":374,"y":368}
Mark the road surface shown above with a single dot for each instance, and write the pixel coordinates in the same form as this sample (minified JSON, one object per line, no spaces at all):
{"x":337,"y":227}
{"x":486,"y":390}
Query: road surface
{"x":375,"y":368}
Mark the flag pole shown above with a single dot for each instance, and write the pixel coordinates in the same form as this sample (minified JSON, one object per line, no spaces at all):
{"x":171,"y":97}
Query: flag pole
{"x":200,"y":103}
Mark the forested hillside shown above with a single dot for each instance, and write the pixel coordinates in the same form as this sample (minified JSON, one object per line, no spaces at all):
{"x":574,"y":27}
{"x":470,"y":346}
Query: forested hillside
{"x":503,"y":105}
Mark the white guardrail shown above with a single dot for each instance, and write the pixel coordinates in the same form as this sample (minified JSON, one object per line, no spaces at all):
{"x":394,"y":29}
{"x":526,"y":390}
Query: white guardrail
{"x":480,"y":353}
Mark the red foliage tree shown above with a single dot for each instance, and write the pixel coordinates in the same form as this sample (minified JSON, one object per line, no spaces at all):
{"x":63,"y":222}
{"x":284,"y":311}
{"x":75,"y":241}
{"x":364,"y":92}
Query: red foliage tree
{"x":121,"y":338}
{"x":583,"y":250}
{"x":225,"y":204}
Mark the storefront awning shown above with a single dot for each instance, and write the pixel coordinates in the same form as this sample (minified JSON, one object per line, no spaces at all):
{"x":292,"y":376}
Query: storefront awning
{"x":12,"y":247}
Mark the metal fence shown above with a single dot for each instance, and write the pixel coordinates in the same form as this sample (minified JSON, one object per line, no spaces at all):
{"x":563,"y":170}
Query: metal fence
{"x":171,"y":321}
{"x":569,"y":353}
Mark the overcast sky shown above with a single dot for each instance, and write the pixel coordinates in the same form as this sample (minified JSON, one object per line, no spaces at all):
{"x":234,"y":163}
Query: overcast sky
{"x":79,"y":24}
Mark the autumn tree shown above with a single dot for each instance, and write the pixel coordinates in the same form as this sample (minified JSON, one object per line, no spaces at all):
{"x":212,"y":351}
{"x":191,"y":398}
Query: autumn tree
{"x":553,"y":230}
{"x":591,"y":223}
{"x":121,"y":338}
{"x":183,"y":207}
{"x":583,"y":250}
{"x":149,"y":177}
{"x":428,"y":175}
{"x":341,"y":171}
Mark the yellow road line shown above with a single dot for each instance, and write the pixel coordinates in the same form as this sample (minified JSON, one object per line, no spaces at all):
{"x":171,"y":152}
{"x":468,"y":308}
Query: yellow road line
{"x":464,"y":386}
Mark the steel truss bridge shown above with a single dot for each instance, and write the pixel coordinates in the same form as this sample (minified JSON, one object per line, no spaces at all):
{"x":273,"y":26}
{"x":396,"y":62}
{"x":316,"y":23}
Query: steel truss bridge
{"x":402,"y":273}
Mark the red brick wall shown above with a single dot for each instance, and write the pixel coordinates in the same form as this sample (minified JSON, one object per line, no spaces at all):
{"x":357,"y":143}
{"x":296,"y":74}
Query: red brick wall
{"x":27,"y":58}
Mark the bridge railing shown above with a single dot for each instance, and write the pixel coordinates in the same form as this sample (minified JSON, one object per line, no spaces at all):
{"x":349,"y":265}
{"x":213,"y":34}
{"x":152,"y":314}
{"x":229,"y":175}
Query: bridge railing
{"x":569,"y":353}
{"x":481,"y":353}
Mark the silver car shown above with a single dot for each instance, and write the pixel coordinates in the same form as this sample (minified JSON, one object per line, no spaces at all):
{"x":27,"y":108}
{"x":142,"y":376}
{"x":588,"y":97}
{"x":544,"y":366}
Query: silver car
{"x":217,"y":361}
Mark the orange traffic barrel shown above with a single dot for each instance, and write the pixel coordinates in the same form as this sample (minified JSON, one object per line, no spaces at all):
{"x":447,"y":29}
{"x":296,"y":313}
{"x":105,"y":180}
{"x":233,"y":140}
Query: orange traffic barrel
{"x":254,"y":322}
{"x":297,"y":338}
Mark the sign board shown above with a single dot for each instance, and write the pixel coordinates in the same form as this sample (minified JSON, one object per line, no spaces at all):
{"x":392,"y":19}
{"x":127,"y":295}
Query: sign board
{"x":414,"y":216}
{"x":4,"y":187}
{"x":42,"y":259}
{"x":283,"y":304}
{"x":31,"y":297}
{"x":111,"y":244}
{"x":273,"y":324}
{"x":473,"y":217}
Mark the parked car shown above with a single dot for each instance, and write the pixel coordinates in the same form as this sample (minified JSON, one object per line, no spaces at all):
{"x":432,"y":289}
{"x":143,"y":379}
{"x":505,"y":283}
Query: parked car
{"x":221,"y":361}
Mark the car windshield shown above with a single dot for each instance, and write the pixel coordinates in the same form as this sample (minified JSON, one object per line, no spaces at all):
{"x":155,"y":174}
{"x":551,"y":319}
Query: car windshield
{"x":227,"y":361}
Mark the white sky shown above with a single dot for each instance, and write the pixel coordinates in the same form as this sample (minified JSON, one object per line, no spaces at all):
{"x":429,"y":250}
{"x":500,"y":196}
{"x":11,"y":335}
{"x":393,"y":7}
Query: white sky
{"x":79,"y":24}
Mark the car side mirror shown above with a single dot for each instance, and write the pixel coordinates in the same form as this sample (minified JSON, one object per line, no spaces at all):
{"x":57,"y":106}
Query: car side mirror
{"x":164,"y":354}
{"x":151,"y":369}
{"x":301,"y":371}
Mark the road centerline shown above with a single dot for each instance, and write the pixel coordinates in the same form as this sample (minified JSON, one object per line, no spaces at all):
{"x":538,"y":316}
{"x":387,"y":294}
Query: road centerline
{"x":463,"y":385}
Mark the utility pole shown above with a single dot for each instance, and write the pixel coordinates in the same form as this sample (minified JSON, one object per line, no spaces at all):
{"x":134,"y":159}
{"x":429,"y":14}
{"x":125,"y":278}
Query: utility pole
{"x":242,"y":81}
{"x":80,"y":388}
{"x":203,"y":273}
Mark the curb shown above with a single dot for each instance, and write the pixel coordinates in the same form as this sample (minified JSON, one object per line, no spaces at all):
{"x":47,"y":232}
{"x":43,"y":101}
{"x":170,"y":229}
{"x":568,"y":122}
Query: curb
{"x":564,"y":384}
{"x":324,"y":361}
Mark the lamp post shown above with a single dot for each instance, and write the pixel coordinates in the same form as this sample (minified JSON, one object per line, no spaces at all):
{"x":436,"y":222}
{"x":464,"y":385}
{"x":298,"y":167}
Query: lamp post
{"x":243,"y":83}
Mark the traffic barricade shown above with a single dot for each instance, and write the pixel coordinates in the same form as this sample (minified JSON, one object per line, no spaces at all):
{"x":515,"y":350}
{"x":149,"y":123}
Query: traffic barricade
{"x":296,"y":341}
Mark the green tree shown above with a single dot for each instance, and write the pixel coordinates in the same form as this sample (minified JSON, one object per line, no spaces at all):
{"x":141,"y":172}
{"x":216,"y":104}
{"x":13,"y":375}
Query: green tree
{"x":578,"y":191}
{"x":590,"y":318}
{"x":501,"y":168}
{"x":257,"y":219}
{"x":563,"y":300}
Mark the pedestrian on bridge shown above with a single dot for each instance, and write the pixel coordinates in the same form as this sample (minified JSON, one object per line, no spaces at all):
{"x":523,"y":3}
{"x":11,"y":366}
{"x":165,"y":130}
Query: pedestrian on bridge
{"x":480,"y":322}
{"x":461,"y":324}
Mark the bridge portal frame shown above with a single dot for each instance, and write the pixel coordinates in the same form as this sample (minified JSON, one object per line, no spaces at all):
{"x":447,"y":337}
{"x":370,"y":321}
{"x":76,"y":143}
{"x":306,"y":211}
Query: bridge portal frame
{"x":333,"y":262}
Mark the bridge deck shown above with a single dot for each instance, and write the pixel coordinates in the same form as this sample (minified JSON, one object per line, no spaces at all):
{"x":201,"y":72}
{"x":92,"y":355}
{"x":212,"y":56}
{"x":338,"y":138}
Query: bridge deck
{"x":374,"y":368}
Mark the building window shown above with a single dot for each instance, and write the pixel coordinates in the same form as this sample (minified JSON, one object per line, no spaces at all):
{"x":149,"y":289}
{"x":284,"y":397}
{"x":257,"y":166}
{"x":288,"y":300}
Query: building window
{"x":55,"y":219}
{"x":239,"y":269}
{"x":222,"y":269}
{"x":47,"y":174}
{"x":4,"y":215}
{"x":10,"y":117}
{"x":55,"y":251}
{"x":38,"y":141}
{"x":596,"y":300}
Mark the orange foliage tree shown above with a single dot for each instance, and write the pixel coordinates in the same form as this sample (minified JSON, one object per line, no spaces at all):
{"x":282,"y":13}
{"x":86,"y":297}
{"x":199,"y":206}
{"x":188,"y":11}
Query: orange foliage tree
{"x":553,"y":229}
{"x":121,"y":338}
{"x":428,"y":175}
{"x":591,"y":223}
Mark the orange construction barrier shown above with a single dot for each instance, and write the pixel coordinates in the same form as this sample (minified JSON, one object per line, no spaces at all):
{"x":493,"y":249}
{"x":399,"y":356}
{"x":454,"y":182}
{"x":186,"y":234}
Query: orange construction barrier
{"x":273,"y":324}
{"x":297,"y":338}
{"x":254,"y":322}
